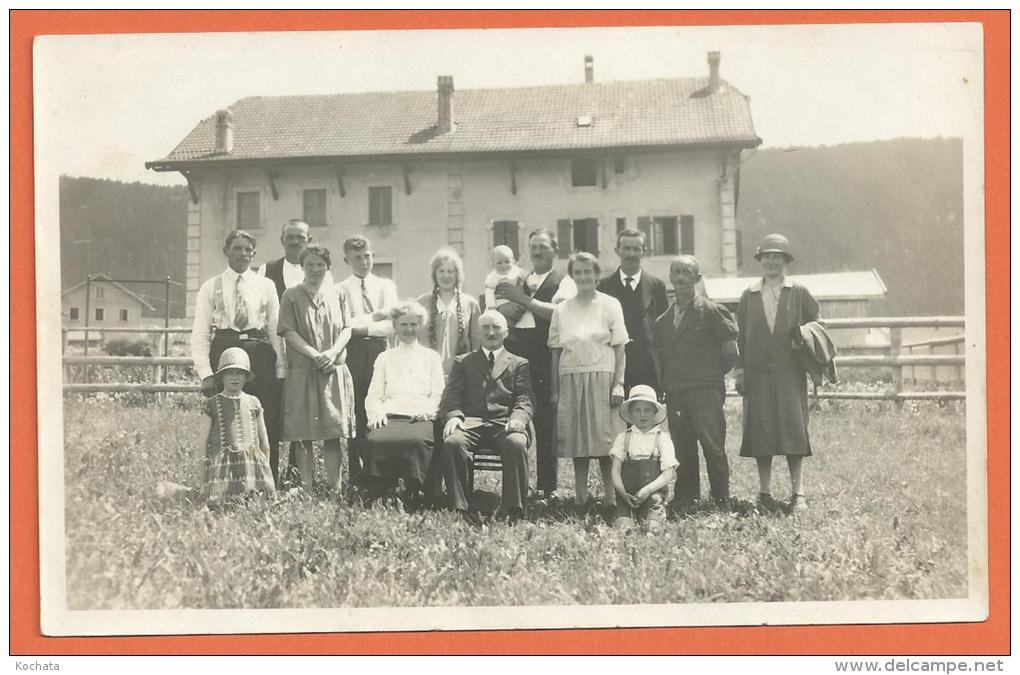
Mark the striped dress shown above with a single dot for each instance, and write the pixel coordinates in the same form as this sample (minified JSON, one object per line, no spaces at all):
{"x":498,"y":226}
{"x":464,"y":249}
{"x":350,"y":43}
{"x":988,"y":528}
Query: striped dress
{"x":234,"y":461}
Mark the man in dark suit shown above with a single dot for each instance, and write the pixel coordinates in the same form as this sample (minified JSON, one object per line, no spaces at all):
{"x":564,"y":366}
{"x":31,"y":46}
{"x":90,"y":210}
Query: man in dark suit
{"x":696,"y":344}
{"x":487,"y":402}
{"x":643,"y":298}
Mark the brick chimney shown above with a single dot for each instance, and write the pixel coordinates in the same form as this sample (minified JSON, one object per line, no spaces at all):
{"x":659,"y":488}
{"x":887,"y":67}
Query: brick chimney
{"x":713,"y":72}
{"x":445,"y":121}
{"x":224,"y":131}
{"x":589,"y":69}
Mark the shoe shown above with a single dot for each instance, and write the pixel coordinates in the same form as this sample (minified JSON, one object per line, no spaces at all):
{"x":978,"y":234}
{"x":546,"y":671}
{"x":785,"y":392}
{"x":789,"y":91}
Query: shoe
{"x":722,"y":503}
{"x":684,"y":507}
{"x":798,"y":503}
{"x":768,"y":505}
{"x":511,"y":517}
{"x":471,"y":518}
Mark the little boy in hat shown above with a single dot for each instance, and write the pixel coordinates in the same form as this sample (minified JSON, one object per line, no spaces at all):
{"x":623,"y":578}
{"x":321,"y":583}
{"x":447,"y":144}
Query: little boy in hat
{"x":643,"y":460}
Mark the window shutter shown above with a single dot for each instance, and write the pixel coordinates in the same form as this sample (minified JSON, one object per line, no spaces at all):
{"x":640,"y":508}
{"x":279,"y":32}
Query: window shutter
{"x":563,"y":234}
{"x":669,"y":234}
{"x":591,"y":235}
{"x":644,"y":224}
{"x":687,"y":235}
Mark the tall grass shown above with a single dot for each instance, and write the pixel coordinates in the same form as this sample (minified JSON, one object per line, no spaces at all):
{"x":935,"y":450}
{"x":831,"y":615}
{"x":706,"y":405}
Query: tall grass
{"x":886,"y":520}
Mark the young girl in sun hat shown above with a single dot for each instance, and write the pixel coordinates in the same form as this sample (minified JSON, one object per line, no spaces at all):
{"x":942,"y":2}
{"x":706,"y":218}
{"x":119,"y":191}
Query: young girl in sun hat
{"x":643,"y":460}
{"x":233,"y":438}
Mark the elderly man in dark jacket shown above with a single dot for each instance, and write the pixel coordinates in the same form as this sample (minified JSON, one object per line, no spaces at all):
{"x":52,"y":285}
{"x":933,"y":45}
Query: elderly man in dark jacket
{"x":696,"y":345}
{"x":488,"y":402}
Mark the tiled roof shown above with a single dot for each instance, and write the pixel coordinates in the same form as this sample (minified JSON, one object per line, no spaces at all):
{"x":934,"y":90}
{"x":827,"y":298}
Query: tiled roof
{"x":103,"y":277}
{"x":831,"y":286}
{"x":645,"y":113}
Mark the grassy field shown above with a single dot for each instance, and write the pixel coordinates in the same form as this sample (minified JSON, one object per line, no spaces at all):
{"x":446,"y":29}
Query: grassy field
{"x":887,"y":521}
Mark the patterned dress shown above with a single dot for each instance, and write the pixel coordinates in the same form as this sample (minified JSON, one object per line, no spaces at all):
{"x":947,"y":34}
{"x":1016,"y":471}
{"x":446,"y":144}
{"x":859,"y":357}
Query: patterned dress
{"x":234,"y":461}
{"x":317,"y":406}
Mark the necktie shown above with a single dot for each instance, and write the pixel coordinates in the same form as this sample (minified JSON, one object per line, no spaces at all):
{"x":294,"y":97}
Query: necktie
{"x":492,"y":361}
{"x":364,"y":299}
{"x":678,"y":316}
{"x":630,"y":283}
{"x":240,"y":307}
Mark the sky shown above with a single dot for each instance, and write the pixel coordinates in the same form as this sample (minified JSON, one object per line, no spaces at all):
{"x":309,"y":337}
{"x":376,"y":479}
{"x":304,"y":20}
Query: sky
{"x":107,"y":104}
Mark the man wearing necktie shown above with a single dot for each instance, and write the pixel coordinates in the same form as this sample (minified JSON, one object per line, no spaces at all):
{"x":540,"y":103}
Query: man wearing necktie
{"x":239,"y":308}
{"x":643,"y":298}
{"x":487,"y":402}
{"x":696,"y":345}
{"x":368,"y":300}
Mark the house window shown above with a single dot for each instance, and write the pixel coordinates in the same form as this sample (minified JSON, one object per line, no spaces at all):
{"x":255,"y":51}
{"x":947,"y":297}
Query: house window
{"x":123,"y":315}
{"x":383,"y":269}
{"x":505,"y":232}
{"x":619,"y":166}
{"x":72,"y":314}
{"x":584,"y":173}
{"x":100,"y":314}
{"x":100,"y":292}
{"x":315,"y":207}
{"x":621,"y":225}
{"x":248,"y":216}
{"x":579,"y":234}
{"x":380,"y":206}
{"x":668,"y":235}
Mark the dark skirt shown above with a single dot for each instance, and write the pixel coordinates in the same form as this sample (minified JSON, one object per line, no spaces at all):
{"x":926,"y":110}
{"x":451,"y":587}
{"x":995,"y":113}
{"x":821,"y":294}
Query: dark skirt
{"x":401,"y":449}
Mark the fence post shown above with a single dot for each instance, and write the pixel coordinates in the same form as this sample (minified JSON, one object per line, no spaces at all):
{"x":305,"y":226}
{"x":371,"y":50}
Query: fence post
{"x":895,"y":349}
{"x":85,"y":327}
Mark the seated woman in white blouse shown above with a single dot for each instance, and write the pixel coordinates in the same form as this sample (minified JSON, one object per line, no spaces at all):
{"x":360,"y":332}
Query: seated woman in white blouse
{"x":402,"y":402}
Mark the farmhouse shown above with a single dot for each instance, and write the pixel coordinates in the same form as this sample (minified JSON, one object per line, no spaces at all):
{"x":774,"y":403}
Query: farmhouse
{"x":418,"y":170}
{"x":109,"y":306}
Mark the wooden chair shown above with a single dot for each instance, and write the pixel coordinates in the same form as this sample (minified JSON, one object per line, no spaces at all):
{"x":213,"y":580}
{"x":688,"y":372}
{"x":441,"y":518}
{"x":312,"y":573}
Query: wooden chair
{"x":483,"y":459}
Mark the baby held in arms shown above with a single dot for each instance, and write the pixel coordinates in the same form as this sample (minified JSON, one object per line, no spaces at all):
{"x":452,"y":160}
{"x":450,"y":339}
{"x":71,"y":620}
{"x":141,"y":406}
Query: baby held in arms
{"x":504,"y":269}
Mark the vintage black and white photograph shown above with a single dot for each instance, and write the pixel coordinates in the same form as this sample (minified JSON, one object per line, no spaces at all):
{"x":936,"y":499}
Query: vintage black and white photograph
{"x":529,"y":328}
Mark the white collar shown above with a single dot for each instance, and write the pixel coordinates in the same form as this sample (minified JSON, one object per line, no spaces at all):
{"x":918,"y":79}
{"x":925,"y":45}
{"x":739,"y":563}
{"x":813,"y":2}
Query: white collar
{"x":497,"y":353}
{"x":290,"y":264}
{"x":229,"y":273}
{"x":654,"y":430}
{"x":406,"y":347}
{"x":636,"y":277}
{"x":758,"y":285}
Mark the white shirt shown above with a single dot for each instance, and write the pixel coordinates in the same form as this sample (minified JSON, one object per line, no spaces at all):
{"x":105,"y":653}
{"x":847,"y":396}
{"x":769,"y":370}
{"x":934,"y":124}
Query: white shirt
{"x":636,"y":277}
{"x":294,"y":274}
{"x":495,"y":354}
{"x":645,"y":445}
{"x":566,"y":290}
{"x":216,"y":310}
{"x":407,"y":380}
{"x":383,"y":295}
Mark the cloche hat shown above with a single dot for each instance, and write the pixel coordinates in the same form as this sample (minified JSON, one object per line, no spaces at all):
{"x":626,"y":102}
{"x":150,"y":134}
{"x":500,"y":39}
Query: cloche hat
{"x":774,"y":243}
{"x":642,"y":392}
{"x":235,"y":358}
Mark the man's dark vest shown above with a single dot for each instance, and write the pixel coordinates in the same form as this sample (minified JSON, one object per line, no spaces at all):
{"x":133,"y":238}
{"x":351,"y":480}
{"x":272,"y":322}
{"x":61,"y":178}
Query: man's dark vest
{"x":274,"y":272}
{"x":545,"y":293}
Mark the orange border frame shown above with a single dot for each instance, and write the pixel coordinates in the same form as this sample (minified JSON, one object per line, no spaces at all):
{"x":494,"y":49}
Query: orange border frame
{"x":989,"y":637}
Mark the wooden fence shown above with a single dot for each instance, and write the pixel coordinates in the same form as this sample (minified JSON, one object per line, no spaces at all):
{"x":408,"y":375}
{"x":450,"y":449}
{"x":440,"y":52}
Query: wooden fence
{"x":899,"y":358}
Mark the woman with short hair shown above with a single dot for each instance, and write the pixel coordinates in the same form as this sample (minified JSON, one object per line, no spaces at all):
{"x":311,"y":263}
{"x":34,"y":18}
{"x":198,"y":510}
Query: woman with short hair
{"x":402,"y":402}
{"x":588,"y":338}
{"x":772,"y":379}
{"x":452,"y":315}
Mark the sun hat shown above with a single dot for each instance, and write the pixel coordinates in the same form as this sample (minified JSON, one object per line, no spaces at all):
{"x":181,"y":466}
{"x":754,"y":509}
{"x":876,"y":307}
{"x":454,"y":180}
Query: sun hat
{"x":235,"y":358}
{"x":642,"y":392}
{"x":774,"y":243}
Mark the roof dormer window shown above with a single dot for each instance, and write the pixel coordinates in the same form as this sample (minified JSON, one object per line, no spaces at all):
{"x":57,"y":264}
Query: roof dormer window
{"x":585,"y":120}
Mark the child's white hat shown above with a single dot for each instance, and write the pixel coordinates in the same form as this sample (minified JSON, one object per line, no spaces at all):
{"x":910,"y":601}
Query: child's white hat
{"x":642,"y":392}
{"x":235,"y":358}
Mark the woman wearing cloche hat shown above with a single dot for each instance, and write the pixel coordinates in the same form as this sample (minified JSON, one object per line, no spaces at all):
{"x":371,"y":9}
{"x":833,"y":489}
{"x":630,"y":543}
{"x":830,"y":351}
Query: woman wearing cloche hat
{"x":771,"y":379}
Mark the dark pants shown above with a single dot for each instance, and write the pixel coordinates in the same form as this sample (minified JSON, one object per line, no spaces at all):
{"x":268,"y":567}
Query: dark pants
{"x":361,"y":356}
{"x":640,"y":368}
{"x":696,"y":415}
{"x":529,"y":344}
{"x":265,"y":387}
{"x":456,"y":461}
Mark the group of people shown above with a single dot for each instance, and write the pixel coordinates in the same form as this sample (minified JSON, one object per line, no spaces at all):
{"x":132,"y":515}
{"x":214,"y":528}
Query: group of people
{"x":576,"y":365}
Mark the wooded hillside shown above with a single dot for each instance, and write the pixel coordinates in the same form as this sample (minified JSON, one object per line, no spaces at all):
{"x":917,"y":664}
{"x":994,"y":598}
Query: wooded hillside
{"x":894,"y":205}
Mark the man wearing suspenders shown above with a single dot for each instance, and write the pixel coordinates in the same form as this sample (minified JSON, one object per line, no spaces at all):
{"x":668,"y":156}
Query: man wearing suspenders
{"x":238,"y":308}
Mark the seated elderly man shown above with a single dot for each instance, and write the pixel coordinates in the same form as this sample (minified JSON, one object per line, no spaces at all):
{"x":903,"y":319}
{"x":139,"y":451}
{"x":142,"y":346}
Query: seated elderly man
{"x":487,"y":403}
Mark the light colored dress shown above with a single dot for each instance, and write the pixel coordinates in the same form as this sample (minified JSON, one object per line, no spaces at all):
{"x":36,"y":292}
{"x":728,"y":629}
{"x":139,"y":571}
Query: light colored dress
{"x":449,"y":332}
{"x":586,"y":426}
{"x":407,"y":381}
{"x":234,"y":461}
{"x":317,"y":406}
